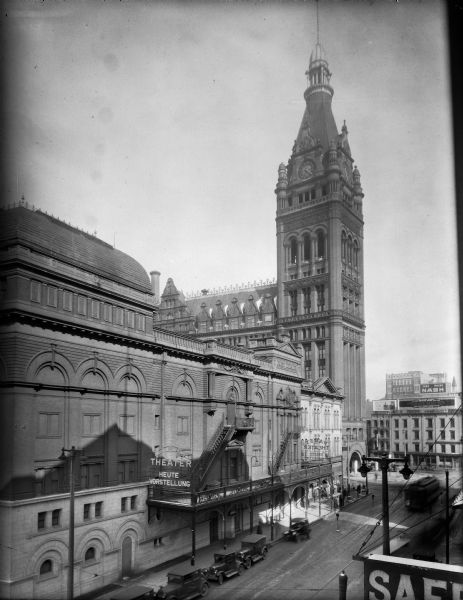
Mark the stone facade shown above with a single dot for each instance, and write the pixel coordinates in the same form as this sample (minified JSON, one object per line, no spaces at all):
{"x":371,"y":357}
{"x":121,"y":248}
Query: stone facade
{"x":172,"y":441}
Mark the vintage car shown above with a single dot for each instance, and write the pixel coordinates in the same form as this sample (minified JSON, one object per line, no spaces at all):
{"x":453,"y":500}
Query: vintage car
{"x":133,"y":592}
{"x":298,"y":528}
{"x":226,"y":564}
{"x":253,"y":548}
{"x":183,"y":583}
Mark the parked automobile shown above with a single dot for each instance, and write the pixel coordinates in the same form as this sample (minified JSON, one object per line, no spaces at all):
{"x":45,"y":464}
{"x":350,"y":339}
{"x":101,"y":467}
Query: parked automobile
{"x":298,"y":527}
{"x":226,"y":564}
{"x":253,"y":548}
{"x":133,"y":592}
{"x":184,"y":583}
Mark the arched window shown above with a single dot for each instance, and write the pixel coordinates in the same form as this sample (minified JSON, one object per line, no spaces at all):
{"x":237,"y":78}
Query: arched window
{"x":293,"y":251}
{"x":46,"y":567}
{"x":349,"y":250}
{"x":320,"y":244}
{"x":343,"y":245}
{"x":306,"y":247}
{"x":90,"y":554}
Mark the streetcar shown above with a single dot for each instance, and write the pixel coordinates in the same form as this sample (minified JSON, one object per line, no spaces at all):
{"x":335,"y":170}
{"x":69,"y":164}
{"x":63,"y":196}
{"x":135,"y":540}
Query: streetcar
{"x":421,"y":493}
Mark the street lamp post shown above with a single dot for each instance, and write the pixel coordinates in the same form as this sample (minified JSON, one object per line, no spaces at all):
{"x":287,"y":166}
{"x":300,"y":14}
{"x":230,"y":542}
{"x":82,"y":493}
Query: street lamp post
{"x":71,"y":451}
{"x":251,"y":500}
{"x":384,"y":463}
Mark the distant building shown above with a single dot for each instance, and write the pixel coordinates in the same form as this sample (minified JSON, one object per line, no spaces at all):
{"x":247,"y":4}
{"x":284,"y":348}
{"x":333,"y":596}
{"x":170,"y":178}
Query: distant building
{"x":318,"y":295}
{"x":174,"y":442}
{"x":420,"y":417}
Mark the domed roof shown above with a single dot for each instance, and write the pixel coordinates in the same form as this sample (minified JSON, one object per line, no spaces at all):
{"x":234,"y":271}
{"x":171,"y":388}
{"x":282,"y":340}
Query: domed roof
{"x":52,"y":237}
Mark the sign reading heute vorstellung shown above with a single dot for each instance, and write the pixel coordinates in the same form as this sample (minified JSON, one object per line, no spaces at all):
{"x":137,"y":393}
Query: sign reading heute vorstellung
{"x":172,"y":472}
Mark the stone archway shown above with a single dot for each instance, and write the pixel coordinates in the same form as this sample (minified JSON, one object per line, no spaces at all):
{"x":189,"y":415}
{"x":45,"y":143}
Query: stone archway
{"x":355,"y":460}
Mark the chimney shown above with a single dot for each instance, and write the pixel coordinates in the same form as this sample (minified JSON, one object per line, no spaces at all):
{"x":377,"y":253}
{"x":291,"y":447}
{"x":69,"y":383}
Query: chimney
{"x":155,"y":285}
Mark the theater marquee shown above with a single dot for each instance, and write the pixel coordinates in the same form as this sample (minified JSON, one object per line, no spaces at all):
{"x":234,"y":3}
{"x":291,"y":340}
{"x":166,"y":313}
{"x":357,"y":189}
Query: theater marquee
{"x":393,"y":578}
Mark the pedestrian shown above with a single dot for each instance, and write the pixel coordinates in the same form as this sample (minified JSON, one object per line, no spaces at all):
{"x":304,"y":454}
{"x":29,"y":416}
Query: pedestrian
{"x":372,"y":498}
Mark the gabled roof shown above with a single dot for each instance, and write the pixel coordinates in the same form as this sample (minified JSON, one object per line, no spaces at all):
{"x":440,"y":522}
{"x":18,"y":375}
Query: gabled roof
{"x":324,"y":385}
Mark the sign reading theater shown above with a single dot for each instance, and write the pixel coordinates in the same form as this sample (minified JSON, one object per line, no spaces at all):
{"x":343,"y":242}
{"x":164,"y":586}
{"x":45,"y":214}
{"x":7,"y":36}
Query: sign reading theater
{"x":171,"y":472}
{"x":393,"y":578}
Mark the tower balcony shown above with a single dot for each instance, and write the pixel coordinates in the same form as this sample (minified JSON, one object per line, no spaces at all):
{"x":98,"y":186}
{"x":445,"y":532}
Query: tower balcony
{"x":245,"y":423}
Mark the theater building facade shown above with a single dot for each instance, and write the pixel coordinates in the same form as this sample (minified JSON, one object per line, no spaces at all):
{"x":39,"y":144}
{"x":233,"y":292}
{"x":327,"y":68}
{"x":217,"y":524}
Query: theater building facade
{"x":170,"y":442}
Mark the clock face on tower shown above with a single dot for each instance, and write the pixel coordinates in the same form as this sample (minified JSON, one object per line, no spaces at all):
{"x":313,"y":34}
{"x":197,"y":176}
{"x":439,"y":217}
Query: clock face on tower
{"x":305,"y":170}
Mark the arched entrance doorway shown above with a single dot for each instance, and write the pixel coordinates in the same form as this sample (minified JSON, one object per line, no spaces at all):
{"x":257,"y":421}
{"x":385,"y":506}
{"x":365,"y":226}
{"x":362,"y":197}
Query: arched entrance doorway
{"x":127,"y":556}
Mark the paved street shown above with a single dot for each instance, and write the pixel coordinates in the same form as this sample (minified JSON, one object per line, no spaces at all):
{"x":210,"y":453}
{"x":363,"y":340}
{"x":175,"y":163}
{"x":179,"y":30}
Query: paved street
{"x":310,"y":569}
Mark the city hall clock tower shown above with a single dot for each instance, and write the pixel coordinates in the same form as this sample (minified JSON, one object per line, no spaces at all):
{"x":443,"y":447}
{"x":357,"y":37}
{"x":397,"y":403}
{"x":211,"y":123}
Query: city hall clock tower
{"x":319,"y":221}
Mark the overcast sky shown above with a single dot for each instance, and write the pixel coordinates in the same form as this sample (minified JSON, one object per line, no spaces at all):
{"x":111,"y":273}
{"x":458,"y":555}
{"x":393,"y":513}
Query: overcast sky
{"x":161,"y":125}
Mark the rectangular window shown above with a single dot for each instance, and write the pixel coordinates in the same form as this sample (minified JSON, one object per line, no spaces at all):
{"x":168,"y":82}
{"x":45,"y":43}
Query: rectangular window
{"x":95,"y":309}
{"x":130,"y":319}
{"x":157,"y":421}
{"x":140,"y":322}
{"x":452,"y":449}
{"x":49,"y":425}
{"x":119,"y":316}
{"x":67,"y":300}
{"x":126,"y":471}
{"x":452,"y":435}
{"x":396,"y":446}
{"x":108,"y":313}
{"x":91,"y":424}
{"x":405,"y":423}
{"x":442,"y":448}
{"x":35,"y":291}
{"x":396,"y":435}
{"x":396,"y":422}
{"x":82,"y":305}
{"x":429,"y":422}
{"x":442,"y":434}
{"x":56,"y":517}
{"x":133,"y":502}
{"x":415,"y":423}
{"x":416,"y":435}
{"x":123,"y":504}
{"x":429,"y":433}
{"x":127,"y":424}
{"x":442,"y":422}
{"x":90,"y":475}
{"x":52,"y":296}
{"x":452,"y":422}
{"x":417,"y":447}
{"x":98,"y":509}
{"x":86,"y":512}
{"x":41,"y":518}
{"x":182,"y":425}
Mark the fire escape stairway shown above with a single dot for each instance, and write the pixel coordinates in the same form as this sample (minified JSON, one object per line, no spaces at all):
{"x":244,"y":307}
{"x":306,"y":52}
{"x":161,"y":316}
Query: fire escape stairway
{"x":218,"y":441}
{"x":281,"y":451}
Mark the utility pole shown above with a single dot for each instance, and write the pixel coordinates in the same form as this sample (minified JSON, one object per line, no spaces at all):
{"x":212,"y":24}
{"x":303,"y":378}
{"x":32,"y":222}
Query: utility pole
{"x":384,"y":463}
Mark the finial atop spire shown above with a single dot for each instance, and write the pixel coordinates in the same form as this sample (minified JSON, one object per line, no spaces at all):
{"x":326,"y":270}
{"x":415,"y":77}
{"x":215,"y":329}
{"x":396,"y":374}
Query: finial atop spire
{"x":318,"y":28}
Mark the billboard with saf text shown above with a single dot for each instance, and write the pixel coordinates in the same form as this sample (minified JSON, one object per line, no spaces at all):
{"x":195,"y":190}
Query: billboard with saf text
{"x":393,"y":578}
